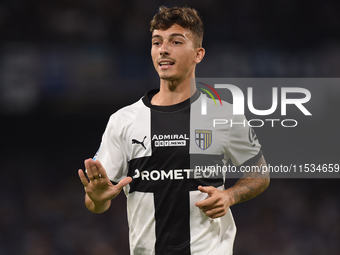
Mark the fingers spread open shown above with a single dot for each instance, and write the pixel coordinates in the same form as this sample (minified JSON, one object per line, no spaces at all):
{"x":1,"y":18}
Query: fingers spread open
{"x":124,"y":182}
{"x":94,"y":169}
{"x":88,"y":168}
{"x":101,"y":170}
{"x":83,"y":178}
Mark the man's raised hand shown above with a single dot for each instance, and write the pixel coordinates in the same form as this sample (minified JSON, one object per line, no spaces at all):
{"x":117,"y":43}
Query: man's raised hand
{"x":99,"y":189}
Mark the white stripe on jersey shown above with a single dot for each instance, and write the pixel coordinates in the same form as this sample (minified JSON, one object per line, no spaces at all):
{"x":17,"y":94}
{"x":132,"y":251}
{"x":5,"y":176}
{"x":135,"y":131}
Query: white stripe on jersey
{"x":141,"y":219}
{"x":208,"y":229}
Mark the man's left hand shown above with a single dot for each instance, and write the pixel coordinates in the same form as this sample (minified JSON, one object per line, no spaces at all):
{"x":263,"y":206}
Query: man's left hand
{"x":217,"y":204}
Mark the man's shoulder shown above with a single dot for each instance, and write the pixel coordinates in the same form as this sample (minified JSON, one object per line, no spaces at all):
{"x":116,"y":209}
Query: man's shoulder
{"x":141,"y":105}
{"x":129,"y":111}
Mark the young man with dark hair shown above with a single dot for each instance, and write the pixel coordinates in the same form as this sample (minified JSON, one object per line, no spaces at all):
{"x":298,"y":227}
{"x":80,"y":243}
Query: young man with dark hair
{"x":148,"y":149}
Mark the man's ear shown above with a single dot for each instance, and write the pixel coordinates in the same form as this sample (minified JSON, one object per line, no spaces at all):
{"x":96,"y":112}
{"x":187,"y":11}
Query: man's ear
{"x":200,"y":52}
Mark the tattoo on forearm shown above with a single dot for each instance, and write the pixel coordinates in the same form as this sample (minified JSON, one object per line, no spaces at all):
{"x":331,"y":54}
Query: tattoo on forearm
{"x":251,"y":185}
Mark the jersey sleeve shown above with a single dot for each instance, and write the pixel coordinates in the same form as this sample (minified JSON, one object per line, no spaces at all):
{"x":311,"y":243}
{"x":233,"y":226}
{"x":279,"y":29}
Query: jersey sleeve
{"x":111,"y":153}
{"x":243,"y":146}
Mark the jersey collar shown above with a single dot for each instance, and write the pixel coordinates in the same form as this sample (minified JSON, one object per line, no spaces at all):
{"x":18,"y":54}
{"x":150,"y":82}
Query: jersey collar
{"x":171,"y":108}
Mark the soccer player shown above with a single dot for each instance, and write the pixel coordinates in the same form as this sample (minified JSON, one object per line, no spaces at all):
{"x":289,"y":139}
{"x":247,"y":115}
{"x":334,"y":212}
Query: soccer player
{"x":149,"y":149}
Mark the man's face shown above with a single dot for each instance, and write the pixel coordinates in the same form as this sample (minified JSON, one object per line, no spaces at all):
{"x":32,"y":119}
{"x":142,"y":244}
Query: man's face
{"x":173,"y":53}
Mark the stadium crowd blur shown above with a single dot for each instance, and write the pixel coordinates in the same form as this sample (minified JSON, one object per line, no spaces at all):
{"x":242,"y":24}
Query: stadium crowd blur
{"x":66,"y":65}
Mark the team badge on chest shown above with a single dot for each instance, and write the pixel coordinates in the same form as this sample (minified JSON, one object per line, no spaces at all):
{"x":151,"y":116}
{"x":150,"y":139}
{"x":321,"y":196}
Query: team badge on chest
{"x":203,"y":138}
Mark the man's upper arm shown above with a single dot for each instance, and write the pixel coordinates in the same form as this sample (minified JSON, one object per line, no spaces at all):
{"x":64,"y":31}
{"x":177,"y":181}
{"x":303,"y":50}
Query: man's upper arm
{"x":243,"y":145}
{"x":111,"y":153}
{"x":260,"y":168}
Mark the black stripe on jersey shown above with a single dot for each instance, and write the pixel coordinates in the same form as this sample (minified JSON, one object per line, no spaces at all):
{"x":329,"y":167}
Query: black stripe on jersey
{"x":249,"y":162}
{"x":171,"y":195}
{"x":253,"y":160}
{"x":171,"y":199}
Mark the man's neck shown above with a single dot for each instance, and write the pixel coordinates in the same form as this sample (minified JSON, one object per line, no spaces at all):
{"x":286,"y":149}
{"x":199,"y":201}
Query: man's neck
{"x":174,"y":92}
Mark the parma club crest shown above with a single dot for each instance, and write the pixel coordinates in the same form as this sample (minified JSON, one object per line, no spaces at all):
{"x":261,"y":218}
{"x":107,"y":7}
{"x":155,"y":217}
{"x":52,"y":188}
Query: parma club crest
{"x":203,"y":138}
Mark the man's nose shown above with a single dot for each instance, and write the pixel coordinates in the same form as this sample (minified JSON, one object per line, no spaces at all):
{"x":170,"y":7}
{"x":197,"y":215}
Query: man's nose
{"x":164,"y":49}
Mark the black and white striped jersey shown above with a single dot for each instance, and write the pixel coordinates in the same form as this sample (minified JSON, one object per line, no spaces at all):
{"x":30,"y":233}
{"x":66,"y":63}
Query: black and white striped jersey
{"x":161,"y":147}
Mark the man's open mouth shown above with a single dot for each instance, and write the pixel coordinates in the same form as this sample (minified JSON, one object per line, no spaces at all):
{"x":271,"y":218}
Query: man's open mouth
{"x":166,"y":63}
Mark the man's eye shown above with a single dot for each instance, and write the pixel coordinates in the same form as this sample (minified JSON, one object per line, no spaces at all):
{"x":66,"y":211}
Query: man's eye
{"x":156,"y":43}
{"x":177,"y":42}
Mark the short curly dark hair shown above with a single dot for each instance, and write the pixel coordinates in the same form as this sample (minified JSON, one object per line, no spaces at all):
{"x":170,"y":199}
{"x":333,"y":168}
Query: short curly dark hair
{"x":185,"y":17}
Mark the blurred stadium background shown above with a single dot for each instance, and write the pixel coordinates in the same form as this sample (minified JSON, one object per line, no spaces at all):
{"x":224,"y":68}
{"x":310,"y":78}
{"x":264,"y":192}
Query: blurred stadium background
{"x":65,"y":66}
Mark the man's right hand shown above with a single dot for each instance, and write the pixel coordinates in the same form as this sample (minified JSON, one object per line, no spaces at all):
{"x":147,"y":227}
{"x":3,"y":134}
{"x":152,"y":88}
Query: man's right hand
{"x":99,"y":189}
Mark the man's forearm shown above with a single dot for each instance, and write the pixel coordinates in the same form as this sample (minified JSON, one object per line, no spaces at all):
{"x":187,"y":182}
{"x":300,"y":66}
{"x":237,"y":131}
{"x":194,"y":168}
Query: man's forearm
{"x":250,"y":185}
